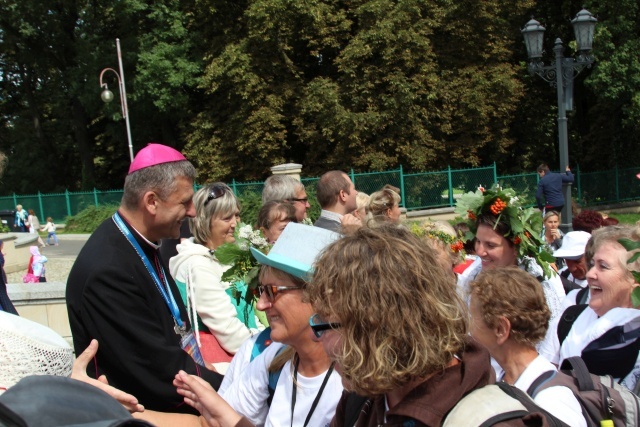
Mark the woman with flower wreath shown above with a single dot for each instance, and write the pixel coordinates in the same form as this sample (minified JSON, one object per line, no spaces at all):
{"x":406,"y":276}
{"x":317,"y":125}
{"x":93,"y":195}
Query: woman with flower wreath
{"x":507,"y":234}
{"x":225,"y":319}
{"x":441,"y":236}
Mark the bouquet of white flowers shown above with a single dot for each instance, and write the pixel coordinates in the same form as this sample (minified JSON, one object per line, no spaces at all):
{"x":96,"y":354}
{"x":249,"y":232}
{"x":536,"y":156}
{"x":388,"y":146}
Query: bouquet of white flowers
{"x":244,"y":267}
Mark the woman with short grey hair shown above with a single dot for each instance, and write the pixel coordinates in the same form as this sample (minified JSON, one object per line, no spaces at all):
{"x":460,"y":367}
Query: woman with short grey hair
{"x":222,"y":321}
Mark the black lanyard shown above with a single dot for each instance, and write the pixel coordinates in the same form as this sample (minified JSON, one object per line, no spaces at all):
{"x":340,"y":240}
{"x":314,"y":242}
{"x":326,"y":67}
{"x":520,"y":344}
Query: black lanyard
{"x":315,"y":401}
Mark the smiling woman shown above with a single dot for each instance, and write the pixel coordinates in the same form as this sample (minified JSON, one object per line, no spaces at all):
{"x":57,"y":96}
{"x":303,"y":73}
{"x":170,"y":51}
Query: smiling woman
{"x":605,"y":332}
{"x":291,"y":385}
{"x":223,"y":322}
{"x":506,"y":235}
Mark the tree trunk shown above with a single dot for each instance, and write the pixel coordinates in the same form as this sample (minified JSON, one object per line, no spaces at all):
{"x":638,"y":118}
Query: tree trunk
{"x":80,"y":129}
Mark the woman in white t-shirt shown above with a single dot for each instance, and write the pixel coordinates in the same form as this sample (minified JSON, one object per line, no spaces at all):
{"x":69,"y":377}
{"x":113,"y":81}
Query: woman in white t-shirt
{"x":306,"y":388}
{"x":509,"y":316}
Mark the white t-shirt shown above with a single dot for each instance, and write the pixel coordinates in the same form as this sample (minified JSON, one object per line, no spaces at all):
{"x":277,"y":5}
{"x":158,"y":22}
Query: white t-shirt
{"x":240,"y":362}
{"x":558,"y":401}
{"x":248,"y":394}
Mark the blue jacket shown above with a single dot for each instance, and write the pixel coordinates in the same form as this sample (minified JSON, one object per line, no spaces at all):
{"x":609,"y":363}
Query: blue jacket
{"x":550,"y":189}
{"x":21,"y":218}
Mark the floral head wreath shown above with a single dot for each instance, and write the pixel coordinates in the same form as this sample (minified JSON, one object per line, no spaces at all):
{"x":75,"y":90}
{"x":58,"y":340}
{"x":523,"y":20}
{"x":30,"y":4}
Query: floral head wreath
{"x":455,"y":244}
{"x":525,"y":225}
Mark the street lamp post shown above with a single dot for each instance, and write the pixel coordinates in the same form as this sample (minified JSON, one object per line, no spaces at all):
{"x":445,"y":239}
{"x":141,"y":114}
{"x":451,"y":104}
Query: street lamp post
{"x":561,"y":75}
{"x":107,"y":95}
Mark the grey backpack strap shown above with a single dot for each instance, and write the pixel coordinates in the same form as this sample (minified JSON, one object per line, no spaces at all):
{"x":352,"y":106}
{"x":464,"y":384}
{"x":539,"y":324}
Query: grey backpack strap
{"x":543,"y":378}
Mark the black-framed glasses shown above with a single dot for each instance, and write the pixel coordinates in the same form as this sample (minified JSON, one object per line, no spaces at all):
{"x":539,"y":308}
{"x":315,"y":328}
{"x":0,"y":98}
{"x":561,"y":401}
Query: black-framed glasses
{"x":305,"y":200}
{"x":216,"y":192}
{"x":319,"y":326}
{"x":273,"y":291}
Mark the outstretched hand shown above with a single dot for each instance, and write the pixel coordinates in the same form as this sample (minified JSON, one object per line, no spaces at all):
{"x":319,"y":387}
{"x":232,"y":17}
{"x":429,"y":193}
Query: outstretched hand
{"x":79,"y":373}
{"x":199,"y":394}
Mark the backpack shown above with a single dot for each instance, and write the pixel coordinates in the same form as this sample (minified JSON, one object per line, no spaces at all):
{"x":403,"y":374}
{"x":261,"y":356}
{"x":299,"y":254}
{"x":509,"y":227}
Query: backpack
{"x":600,"y":397}
{"x":567,"y":284}
{"x":498,"y":403}
{"x":605,"y":355}
{"x":262,"y":342}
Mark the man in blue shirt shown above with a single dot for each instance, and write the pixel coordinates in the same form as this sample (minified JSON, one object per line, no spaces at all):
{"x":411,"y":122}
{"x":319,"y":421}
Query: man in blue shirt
{"x":549,"y":194}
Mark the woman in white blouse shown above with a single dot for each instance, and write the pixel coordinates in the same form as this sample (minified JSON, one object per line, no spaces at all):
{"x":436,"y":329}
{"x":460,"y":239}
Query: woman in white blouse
{"x":509,"y":316}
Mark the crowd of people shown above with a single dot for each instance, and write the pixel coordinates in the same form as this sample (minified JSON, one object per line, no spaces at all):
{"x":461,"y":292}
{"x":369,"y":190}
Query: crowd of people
{"x":366,"y":321}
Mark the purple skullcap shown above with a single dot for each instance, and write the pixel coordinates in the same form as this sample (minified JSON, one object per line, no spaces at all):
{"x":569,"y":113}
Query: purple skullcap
{"x":154,"y":154}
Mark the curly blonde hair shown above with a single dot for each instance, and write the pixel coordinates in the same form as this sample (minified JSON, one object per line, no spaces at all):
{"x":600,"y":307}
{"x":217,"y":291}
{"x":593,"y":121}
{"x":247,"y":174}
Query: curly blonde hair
{"x":400,"y":317}
{"x":516,"y":295}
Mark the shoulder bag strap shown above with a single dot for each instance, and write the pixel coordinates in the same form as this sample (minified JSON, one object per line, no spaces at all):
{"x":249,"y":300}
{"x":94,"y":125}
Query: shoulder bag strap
{"x":566,"y":320}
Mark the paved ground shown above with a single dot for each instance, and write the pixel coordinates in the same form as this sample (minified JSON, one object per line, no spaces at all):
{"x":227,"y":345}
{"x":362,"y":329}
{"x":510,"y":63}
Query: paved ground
{"x":60,"y":258}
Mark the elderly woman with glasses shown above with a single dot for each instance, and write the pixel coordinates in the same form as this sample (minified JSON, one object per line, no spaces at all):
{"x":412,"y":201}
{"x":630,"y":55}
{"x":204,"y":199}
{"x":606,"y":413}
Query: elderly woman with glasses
{"x":223,"y":321}
{"x":293,"y":381}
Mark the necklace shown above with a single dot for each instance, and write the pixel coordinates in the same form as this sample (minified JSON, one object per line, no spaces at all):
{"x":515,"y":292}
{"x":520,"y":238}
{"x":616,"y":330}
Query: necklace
{"x":318,"y":395}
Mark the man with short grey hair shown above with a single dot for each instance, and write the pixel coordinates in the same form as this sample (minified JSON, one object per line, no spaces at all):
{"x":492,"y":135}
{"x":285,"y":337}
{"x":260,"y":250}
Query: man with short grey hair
{"x":285,"y":188}
{"x":120,"y":292}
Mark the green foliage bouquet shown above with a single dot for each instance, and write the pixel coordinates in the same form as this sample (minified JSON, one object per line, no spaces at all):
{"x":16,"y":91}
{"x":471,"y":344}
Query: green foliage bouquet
{"x":525,"y":225}
{"x":244,"y":267}
{"x":630,"y":246}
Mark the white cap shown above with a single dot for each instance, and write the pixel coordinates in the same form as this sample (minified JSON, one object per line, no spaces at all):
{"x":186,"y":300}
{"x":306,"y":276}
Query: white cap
{"x":573,"y":244}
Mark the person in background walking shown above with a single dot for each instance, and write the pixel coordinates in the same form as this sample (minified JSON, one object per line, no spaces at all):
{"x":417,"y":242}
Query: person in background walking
{"x":549,"y":195}
{"x":50,"y":228}
{"x":20,"y":223}
{"x":34,"y":226}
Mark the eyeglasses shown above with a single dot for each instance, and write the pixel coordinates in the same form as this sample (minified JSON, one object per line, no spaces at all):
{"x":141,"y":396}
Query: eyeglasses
{"x":319,"y":327}
{"x":305,"y":200}
{"x":272,"y":291}
{"x":216,"y":192}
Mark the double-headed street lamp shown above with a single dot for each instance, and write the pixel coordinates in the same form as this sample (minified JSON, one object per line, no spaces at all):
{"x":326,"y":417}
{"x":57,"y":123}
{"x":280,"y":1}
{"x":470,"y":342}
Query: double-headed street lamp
{"x":107,"y":95}
{"x":561,"y":75}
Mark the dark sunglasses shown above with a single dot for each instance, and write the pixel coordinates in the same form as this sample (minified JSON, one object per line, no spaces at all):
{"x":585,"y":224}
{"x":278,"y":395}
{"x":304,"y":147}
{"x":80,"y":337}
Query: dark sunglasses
{"x":216,"y":192}
{"x":272,"y":291}
{"x":319,"y":327}
{"x":305,"y":200}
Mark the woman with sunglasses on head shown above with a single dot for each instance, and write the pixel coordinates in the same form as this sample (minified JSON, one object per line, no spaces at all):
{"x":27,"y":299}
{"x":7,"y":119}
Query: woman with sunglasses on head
{"x":226,"y":321}
{"x":293,"y":381}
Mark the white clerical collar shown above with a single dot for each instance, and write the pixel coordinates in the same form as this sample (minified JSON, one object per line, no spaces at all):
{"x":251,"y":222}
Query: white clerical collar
{"x":153,"y":245}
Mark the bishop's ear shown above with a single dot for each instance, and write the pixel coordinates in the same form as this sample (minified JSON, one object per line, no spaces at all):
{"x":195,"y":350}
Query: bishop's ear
{"x":150,"y":202}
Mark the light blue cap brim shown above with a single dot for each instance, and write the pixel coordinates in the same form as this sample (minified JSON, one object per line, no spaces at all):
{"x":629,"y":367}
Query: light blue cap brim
{"x":297,"y":249}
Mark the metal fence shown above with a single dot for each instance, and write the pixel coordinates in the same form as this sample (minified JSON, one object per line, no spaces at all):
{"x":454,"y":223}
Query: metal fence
{"x":418,"y":190}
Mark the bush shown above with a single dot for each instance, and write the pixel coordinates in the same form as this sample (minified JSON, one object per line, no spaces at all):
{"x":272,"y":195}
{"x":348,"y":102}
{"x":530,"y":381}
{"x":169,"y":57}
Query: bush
{"x":87,"y":220}
{"x":250,"y":202}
